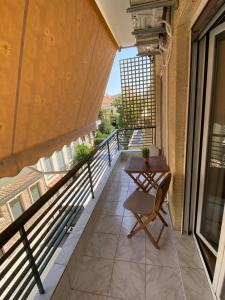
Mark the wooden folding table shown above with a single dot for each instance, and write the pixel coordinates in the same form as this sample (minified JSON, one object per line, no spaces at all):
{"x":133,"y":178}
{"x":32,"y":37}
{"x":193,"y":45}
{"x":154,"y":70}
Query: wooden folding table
{"x":147,"y":176}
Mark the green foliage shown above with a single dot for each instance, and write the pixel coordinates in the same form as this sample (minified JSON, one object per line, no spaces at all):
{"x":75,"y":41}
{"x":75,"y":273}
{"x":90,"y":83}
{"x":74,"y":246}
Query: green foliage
{"x":105,"y":116}
{"x":82,"y":151}
{"x":145,"y":152}
{"x":118,"y":104}
{"x":129,"y":114}
{"x":99,"y":137}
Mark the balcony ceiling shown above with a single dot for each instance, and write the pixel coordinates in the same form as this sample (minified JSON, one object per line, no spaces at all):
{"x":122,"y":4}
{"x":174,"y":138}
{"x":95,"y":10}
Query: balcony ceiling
{"x":118,"y":20}
{"x":137,"y":22}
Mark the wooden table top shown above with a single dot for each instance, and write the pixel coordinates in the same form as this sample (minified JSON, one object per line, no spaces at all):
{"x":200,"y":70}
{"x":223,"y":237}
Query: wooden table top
{"x":156,"y":164}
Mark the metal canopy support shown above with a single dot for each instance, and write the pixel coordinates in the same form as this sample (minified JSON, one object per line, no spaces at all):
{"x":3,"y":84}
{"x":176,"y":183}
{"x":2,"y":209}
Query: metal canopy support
{"x":146,"y":42}
{"x":149,"y":53}
{"x":149,"y":31}
{"x":151,"y":4}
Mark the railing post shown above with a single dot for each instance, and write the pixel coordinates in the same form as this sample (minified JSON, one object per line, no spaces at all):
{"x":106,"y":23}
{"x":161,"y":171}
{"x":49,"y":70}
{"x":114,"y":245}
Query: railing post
{"x":33,"y":266}
{"x":109,"y":156}
{"x":118,"y":141}
{"x":90,"y":178}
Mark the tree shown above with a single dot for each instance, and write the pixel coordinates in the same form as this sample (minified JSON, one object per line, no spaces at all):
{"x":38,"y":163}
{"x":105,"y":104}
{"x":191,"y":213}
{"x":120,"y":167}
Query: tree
{"x":105,"y":117}
{"x":82,"y":152}
{"x":118,"y":104}
{"x":99,"y":137}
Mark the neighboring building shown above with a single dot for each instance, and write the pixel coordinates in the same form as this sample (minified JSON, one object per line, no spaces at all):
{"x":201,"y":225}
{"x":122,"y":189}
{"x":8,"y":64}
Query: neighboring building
{"x":19,"y":195}
{"x":107,"y":104}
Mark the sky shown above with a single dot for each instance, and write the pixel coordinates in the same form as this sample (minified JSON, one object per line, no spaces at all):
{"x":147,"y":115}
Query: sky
{"x":113,"y":86}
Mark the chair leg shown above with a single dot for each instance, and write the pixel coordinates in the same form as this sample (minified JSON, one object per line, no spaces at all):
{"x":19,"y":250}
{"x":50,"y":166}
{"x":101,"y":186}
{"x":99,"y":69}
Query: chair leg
{"x":163,"y":221}
{"x":130,"y":234}
{"x":143,"y":226}
{"x":132,"y":229}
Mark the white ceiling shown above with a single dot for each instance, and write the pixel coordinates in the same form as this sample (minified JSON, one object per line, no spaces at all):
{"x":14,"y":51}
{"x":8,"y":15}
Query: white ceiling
{"x":118,"y":20}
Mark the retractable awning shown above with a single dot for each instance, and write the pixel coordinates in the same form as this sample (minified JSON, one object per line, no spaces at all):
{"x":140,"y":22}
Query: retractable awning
{"x":55,"y":59}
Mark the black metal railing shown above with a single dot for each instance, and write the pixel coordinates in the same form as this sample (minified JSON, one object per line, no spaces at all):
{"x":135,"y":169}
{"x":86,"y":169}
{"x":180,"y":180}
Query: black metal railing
{"x":135,"y":138}
{"x":30,"y":242}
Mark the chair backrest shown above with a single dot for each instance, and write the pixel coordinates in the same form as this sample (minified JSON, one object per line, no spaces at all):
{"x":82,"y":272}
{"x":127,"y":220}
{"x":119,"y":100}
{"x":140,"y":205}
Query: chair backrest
{"x":162,"y":191}
{"x":154,"y":151}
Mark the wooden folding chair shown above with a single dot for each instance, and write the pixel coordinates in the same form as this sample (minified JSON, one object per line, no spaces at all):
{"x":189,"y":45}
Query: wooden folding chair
{"x":146,"y":207}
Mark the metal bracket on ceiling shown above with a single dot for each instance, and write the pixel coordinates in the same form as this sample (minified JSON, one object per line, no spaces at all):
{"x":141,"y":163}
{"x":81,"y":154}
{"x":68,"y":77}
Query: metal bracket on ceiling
{"x":146,"y":42}
{"x":152,"y":4}
{"x":149,"y":53}
{"x":149,"y":31}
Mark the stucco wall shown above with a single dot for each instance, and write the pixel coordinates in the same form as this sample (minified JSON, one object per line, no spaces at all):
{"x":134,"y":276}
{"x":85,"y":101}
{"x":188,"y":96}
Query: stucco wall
{"x":175,"y":104}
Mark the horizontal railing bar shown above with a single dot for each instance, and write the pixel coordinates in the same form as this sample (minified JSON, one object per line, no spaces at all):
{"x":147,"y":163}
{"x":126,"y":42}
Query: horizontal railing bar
{"x":16,"y":285}
{"x":98,"y":158}
{"x":56,"y":223}
{"x":10,"y":251}
{"x":68,"y":195}
{"x":102,"y":159}
{"x":21,"y":288}
{"x":69,"y":190}
{"x":62,"y":225}
{"x":55,"y":228}
{"x":15,"y":273}
{"x":100,"y":170}
{"x":97,"y":175}
{"x":96,"y":167}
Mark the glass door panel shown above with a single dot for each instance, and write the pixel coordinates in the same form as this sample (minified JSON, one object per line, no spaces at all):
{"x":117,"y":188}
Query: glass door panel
{"x":214,"y":197}
{"x":212,"y":181}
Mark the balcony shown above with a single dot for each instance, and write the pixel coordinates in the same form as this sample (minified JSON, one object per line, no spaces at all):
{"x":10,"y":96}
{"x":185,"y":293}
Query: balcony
{"x":74,"y":246}
{"x":105,"y":264}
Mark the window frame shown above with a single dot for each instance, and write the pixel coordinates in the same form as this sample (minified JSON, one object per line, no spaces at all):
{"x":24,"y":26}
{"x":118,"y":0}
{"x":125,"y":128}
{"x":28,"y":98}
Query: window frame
{"x":11,"y":200}
{"x":39,"y":188}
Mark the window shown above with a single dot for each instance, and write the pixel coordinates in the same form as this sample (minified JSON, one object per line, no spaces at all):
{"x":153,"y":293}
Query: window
{"x":69,"y":152}
{"x":35,"y":192}
{"x":61,"y":162}
{"x":48,"y":166}
{"x":16,"y":207}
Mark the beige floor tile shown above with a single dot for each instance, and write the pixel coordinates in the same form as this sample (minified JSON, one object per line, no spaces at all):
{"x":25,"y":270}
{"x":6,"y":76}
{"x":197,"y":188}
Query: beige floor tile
{"x":166,"y":256}
{"x":112,"y":208}
{"x":187,"y":253}
{"x":91,"y":275}
{"x":131,"y":249}
{"x":128,"y":281}
{"x":195,"y":284}
{"x":108,"y":224}
{"x":163,"y":283}
{"x":102,"y":245}
{"x":76,"y":295}
{"x":127,"y":213}
{"x":117,"y":195}
{"x":155,"y":228}
{"x":127,"y":225}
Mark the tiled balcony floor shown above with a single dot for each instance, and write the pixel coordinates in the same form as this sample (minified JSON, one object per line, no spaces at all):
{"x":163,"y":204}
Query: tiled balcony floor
{"x":108,"y":265}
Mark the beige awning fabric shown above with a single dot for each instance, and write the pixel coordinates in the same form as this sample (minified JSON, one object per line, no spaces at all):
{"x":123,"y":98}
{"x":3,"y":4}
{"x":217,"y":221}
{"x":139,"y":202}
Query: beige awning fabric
{"x":55,"y":59}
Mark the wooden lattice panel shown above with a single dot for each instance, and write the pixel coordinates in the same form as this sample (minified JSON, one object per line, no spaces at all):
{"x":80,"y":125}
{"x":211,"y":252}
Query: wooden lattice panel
{"x":138,"y":91}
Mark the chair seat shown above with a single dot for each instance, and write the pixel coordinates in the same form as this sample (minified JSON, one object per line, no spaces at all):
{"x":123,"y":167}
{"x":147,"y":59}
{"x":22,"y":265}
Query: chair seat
{"x":140,"y":203}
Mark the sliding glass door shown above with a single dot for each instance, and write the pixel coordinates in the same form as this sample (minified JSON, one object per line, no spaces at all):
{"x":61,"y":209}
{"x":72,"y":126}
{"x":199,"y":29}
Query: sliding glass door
{"x":211,"y":199}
